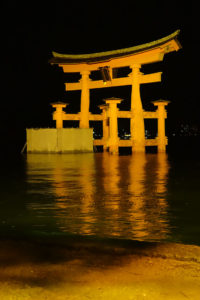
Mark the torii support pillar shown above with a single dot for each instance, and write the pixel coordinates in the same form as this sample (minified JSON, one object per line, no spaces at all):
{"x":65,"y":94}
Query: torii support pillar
{"x":104,"y":109}
{"x":113,"y":142}
{"x":162,"y":115}
{"x":58,"y":114}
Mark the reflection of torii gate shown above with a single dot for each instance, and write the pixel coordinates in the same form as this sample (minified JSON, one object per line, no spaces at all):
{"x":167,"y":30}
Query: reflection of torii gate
{"x":107,"y":63}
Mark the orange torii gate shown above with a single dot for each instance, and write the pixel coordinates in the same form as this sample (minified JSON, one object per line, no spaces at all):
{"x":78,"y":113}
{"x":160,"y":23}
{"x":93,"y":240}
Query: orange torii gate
{"x":107,"y":63}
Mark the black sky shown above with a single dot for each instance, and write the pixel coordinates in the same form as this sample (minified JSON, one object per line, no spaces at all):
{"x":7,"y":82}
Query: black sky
{"x":31,"y":31}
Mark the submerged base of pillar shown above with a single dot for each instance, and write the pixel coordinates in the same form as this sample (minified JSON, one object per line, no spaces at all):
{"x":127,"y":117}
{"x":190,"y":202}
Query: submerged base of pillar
{"x":114,"y":149}
{"x":65,"y":140}
{"x":162,"y":143}
{"x":161,"y":149}
{"x":134,"y":147}
{"x":138,"y":147}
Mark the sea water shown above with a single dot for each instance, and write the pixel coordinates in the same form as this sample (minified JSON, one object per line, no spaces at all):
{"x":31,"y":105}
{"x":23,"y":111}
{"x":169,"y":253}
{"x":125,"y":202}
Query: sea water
{"x":145,"y":197}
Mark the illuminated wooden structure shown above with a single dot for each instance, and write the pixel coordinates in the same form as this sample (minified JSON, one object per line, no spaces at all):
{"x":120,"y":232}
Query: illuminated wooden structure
{"x":108,"y":63}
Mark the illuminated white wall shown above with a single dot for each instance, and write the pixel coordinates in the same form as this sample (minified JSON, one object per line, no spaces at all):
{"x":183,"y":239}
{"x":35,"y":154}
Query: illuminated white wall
{"x":52,"y":140}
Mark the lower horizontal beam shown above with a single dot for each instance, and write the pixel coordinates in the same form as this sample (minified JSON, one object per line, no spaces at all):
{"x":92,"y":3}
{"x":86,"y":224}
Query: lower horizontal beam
{"x":120,"y":114}
{"x":71,"y":117}
{"x":129,"y":143}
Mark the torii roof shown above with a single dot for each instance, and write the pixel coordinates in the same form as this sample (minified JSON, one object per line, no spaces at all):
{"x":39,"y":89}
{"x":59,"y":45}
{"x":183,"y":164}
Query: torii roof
{"x":59,"y":58}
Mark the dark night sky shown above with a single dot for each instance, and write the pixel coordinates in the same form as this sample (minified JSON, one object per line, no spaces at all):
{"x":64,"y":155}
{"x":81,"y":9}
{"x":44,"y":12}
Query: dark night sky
{"x":30,"y":32}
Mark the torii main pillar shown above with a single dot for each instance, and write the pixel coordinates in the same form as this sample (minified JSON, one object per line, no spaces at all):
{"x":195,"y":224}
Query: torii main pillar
{"x":137,"y":120}
{"x":85,"y":100}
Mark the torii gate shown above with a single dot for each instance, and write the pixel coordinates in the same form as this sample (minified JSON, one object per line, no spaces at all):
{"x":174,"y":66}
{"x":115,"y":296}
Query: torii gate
{"x":107,"y":63}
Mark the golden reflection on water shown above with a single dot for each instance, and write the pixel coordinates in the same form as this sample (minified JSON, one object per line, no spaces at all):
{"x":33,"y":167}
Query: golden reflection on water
{"x":136,"y":189}
{"x":103,"y":194}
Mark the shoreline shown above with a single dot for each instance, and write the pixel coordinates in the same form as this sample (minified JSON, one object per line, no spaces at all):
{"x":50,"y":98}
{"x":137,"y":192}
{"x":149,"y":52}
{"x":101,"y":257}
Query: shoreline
{"x":84,"y":268}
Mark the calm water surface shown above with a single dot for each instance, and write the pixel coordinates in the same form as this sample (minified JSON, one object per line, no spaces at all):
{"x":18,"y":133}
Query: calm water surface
{"x":147,"y":197}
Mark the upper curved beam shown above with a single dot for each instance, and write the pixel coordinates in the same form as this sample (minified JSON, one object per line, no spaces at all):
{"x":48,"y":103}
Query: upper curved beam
{"x":59,"y":58}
